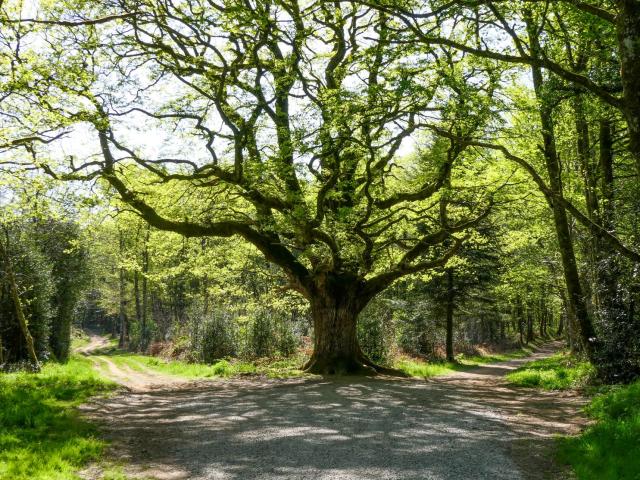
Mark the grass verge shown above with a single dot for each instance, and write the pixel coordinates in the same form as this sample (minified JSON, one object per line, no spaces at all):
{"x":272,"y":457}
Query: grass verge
{"x":607,"y":449}
{"x":558,"y":372}
{"x":278,"y":368}
{"x":290,"y":366}
{"x":420,"y":368}
{"x":42,"y":436}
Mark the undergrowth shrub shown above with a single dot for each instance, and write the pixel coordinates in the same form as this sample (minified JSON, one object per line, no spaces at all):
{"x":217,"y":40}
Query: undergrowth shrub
{"x":374,"y":333}
{"x":217,"y":338}
{"x":262,"y":339}
{"x":32,"y":273}
{"x":270,"y":334}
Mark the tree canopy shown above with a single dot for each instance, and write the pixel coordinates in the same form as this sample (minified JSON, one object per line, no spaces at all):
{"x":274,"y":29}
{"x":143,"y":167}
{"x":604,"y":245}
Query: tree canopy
{"x":351,"y":143}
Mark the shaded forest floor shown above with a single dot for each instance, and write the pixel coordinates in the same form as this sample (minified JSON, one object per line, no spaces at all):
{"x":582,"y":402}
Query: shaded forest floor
{"x":469,"y":424}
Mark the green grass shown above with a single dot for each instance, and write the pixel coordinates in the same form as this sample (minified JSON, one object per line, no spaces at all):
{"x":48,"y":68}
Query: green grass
{"x":559,"y":372}
{"x":476,"y":360}
{"x":421,"y":368}
{"x":41,"y":434}
{"x":110,"y":348}
{"x":610,"y":448}
{"x":78,"y":340}
{"x":289,"y":367}
{"x":279,"y":368}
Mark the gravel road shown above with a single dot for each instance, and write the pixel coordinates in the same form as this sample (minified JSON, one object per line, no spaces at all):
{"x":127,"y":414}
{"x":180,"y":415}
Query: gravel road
{"x":467,"y":425}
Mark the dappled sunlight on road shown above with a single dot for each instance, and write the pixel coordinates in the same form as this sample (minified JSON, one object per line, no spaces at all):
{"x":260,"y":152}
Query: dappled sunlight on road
{"x":467,"y":425}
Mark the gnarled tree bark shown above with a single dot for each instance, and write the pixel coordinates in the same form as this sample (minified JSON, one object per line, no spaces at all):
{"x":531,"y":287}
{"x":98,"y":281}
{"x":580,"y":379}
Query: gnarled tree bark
{"x":336,"y":301}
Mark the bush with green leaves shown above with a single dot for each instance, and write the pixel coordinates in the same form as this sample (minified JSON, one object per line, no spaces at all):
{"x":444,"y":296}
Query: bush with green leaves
{"x":269,"y":333}
{"x":216,"y":337}
{"x":617,"y":345}
{"x":36,"y":287}
{"x":375,"y":331}
{"x":59,"y":242}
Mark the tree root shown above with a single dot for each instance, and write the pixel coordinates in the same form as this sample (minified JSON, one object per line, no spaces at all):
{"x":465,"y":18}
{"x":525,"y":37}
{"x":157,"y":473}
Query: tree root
{"x":357,"y":365}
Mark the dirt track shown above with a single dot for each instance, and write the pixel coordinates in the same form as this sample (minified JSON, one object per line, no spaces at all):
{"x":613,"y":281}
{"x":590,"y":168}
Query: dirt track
{"x":138,"y":380}
{"x":464,"y":426}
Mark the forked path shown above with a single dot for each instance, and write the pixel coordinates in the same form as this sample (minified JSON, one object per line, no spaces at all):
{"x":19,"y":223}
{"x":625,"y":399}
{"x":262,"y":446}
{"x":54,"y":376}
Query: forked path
{"x":135,"y":380}
{"x":468,"y":425}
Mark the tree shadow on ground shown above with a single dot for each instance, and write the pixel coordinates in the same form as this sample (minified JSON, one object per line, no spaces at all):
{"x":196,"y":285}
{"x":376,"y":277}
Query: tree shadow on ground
{"x":457,"y":427}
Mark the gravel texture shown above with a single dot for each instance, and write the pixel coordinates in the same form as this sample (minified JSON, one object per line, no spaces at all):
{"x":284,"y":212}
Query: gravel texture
{"x":463,"y":426}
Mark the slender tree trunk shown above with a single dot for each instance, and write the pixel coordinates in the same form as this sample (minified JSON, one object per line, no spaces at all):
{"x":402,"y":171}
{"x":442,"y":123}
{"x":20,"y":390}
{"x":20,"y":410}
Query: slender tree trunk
{"x":450,"y":309}
{"x":570,"y":323}
{"x":628,"y":32}
{"x":592,"y":245}
{"x":586,"y":163}
{"x":530,"y":316}
{"x":606,"y":174}
{"x":136,"y":295}
{"x":520,"y":318}
{"x":144,"y":333}
{"x":575,"y":293}
{"x":607,"y":267}
{"x":205,"y":285}
{"x":17,"y":303}
{"x":122,"y":314}
{"x":115,"y":325}
{"x":560,"y":329}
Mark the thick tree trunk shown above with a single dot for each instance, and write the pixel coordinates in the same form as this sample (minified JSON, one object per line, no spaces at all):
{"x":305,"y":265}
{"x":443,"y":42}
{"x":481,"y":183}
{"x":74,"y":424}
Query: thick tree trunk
{"x":628,"y":30}
{"x":336,"y":300}
{"x":335,"y":344}
{"x":575,"y":295}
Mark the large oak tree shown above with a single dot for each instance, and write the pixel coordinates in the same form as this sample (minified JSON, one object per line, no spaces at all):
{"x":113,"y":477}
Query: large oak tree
{"x":288,"y":127}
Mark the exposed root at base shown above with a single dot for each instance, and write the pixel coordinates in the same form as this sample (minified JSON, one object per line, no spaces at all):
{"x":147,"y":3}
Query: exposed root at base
{"x":359,"y":365}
